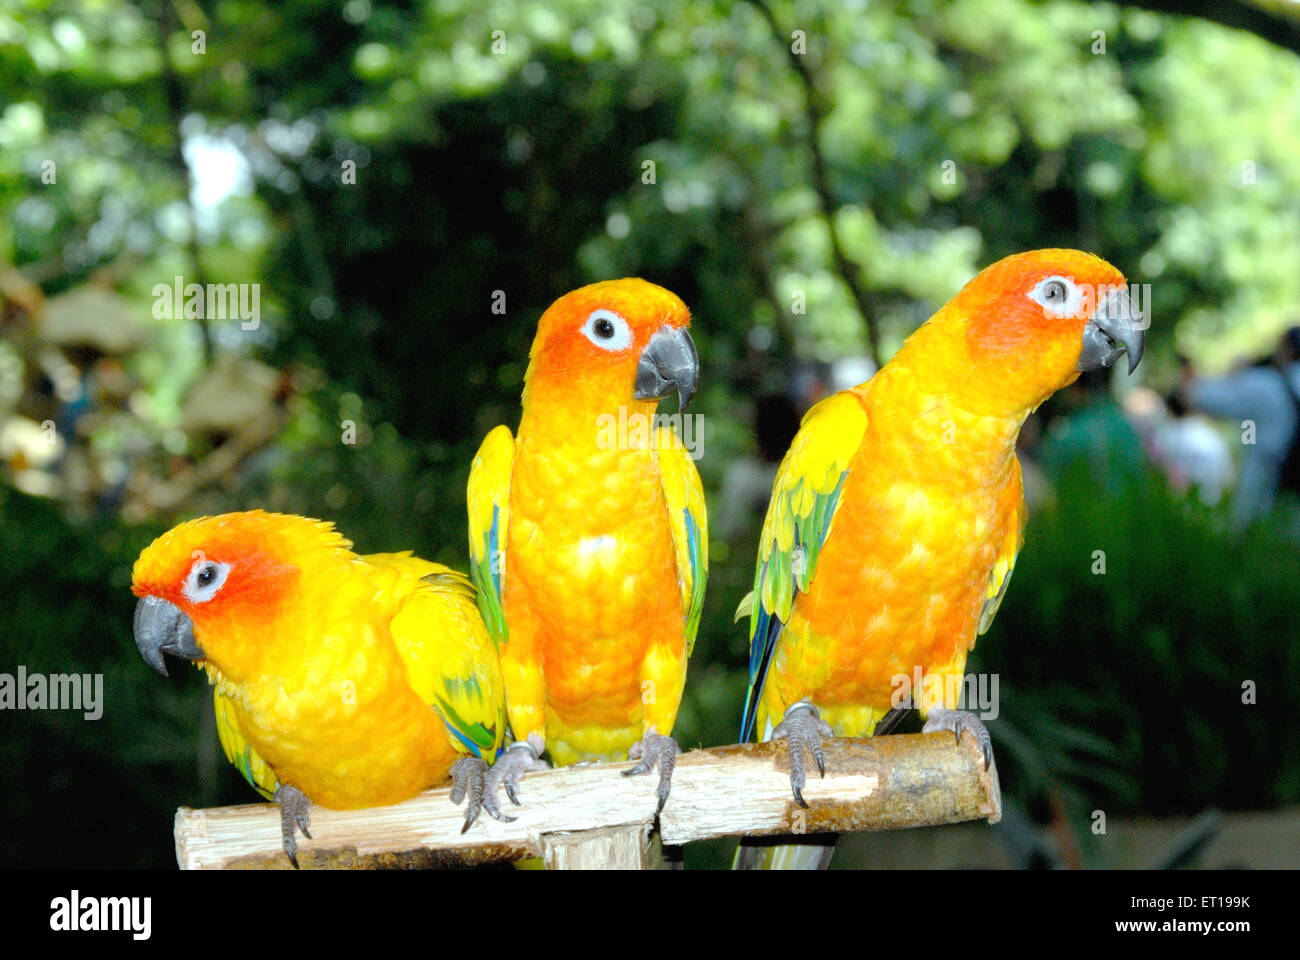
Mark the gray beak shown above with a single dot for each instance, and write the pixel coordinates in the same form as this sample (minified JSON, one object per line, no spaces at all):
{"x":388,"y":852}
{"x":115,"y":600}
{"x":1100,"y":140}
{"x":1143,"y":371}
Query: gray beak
{"x":161,"y":627}
{"x":669,"y":362}
{"x":1116,"y":327}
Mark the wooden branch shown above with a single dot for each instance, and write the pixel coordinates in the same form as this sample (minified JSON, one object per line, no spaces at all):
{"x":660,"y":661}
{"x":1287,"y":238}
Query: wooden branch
{"x":610,"y":848}
{"x":592,"y":816}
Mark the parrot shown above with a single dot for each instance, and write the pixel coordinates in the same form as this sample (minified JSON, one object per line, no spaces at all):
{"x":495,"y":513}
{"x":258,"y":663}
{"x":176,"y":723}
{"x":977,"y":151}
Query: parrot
{"x":344,"y":680}
{"x":588,"y":537}
{"x":897,"y":513}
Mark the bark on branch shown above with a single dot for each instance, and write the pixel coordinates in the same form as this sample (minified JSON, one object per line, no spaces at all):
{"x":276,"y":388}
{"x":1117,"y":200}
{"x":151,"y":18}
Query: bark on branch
{"x":593,"y":816}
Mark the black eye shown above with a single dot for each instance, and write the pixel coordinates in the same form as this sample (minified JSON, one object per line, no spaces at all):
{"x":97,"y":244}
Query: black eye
{"x":1055,"y":292}
{"x":206,"y":575}
{"x":607,"y":330}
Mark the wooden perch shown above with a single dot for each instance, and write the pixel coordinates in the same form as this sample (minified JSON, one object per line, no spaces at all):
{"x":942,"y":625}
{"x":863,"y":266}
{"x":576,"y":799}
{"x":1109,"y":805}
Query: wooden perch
{"x":592,"y":816}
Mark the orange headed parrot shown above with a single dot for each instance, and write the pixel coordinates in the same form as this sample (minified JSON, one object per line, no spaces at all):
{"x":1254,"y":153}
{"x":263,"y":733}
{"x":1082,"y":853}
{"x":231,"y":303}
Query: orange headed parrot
{"x":588,"y":536}
{"x":896,"y":516}
{"x":342,"y":680}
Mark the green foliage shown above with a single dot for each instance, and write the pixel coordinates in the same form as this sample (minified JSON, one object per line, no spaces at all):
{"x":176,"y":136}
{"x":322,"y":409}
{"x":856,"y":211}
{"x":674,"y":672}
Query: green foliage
{"x":1126,"y":687}
{"x":92,"y":793}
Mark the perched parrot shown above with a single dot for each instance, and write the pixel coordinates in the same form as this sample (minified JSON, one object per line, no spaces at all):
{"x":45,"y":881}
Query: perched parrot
{"x":896,"y":515}
{"x":342,"y":680}
{"x":588,"y":537}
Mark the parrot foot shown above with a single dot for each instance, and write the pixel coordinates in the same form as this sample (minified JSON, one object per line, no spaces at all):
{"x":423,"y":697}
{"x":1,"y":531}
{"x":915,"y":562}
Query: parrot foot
{"x":473,"y":778}
{"x":652,"y":749}
{"x":468,"y":778}
{"x":803,"y":729}
{"x":957,"y":721}
{"x":295,"y":812}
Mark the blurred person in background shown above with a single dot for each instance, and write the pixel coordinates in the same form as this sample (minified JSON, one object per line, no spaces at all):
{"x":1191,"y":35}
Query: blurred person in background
{"x":1087,"y":427}
{"x":1192,"y":453}
{"x":1265,"y":399}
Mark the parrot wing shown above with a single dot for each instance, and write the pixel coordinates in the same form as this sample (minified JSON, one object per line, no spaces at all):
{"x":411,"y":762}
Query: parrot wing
{"x":239,"y":751}
{"x":1006,"y":559}
{"x":689,"y":522}
{"x":450,"y":658}
{"x":805,"y":497}
{"x":488,"y":496}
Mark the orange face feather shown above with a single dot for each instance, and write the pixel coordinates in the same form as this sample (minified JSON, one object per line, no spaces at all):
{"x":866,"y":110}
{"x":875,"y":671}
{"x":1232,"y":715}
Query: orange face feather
{"x":262,"y":552}
{"x":571,"y":360}
{"x":1001,"y":344}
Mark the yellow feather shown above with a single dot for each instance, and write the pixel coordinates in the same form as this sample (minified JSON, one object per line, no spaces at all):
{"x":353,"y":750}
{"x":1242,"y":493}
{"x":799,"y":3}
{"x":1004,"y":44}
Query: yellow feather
{"x":683,"y":492}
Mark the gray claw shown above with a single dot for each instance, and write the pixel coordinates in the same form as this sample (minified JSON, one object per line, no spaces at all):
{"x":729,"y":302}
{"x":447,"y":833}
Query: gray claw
{"x":468,"y":776}
{"x":473,"y":778}
{"x":803,"y":729}
{"x":295,"y":812}
{"x":652,"y":749}
{"x":957,"y":721}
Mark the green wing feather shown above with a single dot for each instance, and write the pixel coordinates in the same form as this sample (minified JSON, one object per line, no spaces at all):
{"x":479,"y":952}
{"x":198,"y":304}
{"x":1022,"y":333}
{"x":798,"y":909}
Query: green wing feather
{"x":488,"y":499}
{"x":689,"y":522}
{"x":805,"y":497}
{"x":238,"y":750}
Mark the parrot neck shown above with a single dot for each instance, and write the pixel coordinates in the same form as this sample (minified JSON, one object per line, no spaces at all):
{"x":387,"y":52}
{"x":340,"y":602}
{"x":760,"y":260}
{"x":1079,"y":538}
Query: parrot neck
{"x":591,"y":412}
{"x":922,"y":412}
{"x":939,"y":365}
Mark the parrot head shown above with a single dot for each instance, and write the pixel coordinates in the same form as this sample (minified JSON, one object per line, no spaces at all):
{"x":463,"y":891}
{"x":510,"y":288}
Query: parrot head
{"x":201,"y":577}
{"x":621,"y":340}
{"x":1035,"y":320}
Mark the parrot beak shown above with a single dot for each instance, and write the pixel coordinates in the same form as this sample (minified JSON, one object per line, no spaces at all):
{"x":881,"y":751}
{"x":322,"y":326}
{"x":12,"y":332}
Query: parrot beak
{"x":161,"y":627}
{"x":1116,"y":327}
{"x":669,"y":362}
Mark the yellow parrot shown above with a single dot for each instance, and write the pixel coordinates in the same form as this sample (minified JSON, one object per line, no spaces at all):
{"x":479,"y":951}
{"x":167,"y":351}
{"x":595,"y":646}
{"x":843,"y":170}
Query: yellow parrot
{"x":344,"y":680}
{"x":896,"y":515}
{"x":589,"y":537}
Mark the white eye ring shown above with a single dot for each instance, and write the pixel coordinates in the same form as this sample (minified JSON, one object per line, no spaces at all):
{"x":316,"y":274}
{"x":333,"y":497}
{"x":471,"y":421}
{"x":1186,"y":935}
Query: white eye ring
{"x":203,"y":581}
{"x":1058,"y":296}
{"x":607,"y":330}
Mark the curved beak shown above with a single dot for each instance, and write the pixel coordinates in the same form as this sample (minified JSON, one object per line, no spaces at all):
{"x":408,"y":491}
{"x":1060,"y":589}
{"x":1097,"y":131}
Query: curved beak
{"x":161,"y":627}
{"x":669,"y":362}
{"x":1116,"y":327}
